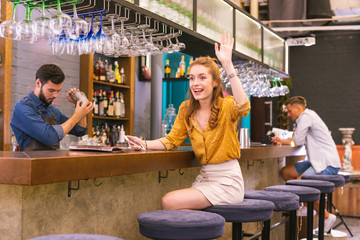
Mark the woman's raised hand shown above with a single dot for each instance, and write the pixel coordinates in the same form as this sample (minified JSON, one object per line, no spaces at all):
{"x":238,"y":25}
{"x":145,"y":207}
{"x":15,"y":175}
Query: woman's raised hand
{"x":224,"y":52}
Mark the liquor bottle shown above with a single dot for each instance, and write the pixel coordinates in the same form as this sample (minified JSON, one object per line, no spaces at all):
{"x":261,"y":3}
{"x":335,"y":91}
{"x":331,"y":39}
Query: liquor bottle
{"x":117,"y":73}
{"x":106,"y":70}
{"x":95,"y":104}
{"x":101,"y":104}
{"x":102,"y":72}
{"x":122,"y":135}
{"x":122,"y":105}
{"x":167,"y":69}
{"x":182,"y":66}
{"x":122,"y":75}
{"x":111,"y":74}
{"x":110,"y":111}
{"x":105,"y":103}
{"x":117,"y":105}
{"x":178,"y":73}
{"x":97,"y":70}
{"x":188,"y":69}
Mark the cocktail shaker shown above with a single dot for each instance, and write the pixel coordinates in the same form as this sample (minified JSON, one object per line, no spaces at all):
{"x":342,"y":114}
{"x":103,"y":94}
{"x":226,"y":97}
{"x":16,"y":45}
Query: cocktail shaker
{"x":78,"y":96}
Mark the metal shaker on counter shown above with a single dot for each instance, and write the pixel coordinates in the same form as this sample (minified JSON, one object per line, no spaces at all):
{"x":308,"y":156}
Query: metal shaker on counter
{"x":244,"y":138}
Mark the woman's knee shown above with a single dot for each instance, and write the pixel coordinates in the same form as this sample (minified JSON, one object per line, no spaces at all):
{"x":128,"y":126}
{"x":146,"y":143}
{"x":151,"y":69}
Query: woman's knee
{"x":167,"y":202}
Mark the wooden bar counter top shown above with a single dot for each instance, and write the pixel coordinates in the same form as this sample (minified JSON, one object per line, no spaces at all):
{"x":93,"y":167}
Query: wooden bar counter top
{"x":43,"y":167}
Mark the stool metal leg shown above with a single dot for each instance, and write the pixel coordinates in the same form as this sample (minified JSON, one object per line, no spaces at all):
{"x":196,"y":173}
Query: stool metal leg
{"x":266,"y":231}
{"x":341,"y":221}
{"x":310,"y":220}
{"x":236,"y":231}
{"x":292,"y":225}
{"x":329,"y":202}
{"x":321,"y":216}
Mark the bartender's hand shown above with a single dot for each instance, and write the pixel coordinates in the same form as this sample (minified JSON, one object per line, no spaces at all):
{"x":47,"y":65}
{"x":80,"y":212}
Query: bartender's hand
{"x":68,"y":95}
{"x":82,"y":110}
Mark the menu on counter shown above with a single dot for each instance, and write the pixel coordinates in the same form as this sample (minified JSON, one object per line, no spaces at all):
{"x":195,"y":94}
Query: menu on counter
{"x":97,"y":148}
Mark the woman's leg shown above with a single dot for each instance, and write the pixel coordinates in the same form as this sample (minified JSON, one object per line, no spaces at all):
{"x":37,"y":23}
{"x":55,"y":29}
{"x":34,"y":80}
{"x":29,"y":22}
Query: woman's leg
{"x":188,"y":198}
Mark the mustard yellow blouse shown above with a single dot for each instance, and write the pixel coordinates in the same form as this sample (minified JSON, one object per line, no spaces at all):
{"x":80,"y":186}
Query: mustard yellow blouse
{"x":210,"y":146}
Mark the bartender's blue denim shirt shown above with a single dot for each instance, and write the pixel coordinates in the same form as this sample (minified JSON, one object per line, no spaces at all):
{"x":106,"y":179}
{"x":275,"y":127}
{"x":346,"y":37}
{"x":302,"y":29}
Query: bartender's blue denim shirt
{"x":27,"y":123}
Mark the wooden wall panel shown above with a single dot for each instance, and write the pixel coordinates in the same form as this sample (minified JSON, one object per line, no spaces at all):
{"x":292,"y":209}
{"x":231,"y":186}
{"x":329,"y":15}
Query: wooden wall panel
{"x":5,"y":81}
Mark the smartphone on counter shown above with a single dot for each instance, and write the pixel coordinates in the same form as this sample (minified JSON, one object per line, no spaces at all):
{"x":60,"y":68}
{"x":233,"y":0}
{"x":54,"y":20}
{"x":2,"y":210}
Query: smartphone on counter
{"x":131,"y":142}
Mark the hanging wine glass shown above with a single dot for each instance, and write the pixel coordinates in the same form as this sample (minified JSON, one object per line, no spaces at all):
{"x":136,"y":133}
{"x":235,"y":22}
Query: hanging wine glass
{"x":88,"y":45}
{"x":100,"y":37}
{"x":113,"y":37}
{"x":24,"y":27}
{"x":80,"y":27}
{"x":41,"y":25}
{"x":60,"y":22}
{"x":8,"y":27}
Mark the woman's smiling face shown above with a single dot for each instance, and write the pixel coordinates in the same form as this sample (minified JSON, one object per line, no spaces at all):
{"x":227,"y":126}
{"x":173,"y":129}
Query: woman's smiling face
{"x":201,"y":83}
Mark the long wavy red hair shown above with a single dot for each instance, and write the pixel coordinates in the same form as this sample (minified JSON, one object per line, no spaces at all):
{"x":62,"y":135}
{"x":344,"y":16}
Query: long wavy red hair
{"x":211,"y":65}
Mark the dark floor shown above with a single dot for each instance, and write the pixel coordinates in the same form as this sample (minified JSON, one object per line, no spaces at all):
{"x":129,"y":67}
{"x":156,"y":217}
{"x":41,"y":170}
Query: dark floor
{"x":353,"y":224}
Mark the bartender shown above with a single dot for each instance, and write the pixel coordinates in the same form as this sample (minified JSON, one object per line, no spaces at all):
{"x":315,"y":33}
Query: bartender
{"x":36,"y":123}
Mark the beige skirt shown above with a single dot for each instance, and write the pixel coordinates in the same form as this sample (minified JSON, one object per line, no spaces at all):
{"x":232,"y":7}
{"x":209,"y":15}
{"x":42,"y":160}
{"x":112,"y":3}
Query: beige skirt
{"x":221,"y":183}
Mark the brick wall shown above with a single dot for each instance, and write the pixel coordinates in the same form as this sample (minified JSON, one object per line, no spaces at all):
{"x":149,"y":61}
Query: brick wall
{"x":327,"y":75}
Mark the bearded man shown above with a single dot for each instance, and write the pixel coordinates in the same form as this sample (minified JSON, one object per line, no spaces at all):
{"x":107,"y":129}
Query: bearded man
{"x":36,"y":123}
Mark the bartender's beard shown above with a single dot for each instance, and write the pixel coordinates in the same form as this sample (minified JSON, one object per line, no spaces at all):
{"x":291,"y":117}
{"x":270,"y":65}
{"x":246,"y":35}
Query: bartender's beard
{"x":43,"y":98}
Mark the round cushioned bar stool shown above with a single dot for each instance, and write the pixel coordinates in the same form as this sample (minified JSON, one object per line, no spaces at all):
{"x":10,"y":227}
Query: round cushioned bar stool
{"x":76,"y":237}
{"x":325,"y":187}
{"x":283,"y":201}
{"x":181,"y":225}
{"x":339,"y":181}
{"x":306,"y":194}
{"x":250,"y":210}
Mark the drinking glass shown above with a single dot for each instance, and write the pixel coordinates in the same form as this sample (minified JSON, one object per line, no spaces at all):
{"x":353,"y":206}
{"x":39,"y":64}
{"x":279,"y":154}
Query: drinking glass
{"x":8,"y":27}
{"x":80,"y":27}
{"x":41,"y":25}
{"x":24,"y":28}
{"x":60,"y":22}
{"x":113,"y":37}
{"x":100,"y":37}
{"x":88,"y":44}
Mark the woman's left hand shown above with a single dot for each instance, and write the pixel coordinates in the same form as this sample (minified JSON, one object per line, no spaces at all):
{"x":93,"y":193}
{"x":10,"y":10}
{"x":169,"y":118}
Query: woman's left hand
{"x":224,"y":53}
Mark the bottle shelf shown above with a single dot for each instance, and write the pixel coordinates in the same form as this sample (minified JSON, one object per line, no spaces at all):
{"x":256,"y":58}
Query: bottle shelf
{"x":111,"y":118}
{"x":111,"y":84}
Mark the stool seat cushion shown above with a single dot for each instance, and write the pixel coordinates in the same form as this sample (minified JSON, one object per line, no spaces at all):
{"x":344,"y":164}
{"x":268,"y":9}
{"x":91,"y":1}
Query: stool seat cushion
{"x":323,"y":186}
{"x":76,"y":237}
{"x":181,"y":224}
{"x":346,"y":176}
{"x":338,"y":180}
{"x":284,"y":201}
{"x":306,"y":194}
{"x":250,"y":210}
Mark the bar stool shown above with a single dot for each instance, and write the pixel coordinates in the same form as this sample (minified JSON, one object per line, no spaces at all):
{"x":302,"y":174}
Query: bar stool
{"x":339,"y":181}
{"x":283,"y":201}
{"x":76,"y":237}
{"x":181,"y":225}
{"x":250,"y":210}
{"x":306,"y":194}
{"x":325,"y":187}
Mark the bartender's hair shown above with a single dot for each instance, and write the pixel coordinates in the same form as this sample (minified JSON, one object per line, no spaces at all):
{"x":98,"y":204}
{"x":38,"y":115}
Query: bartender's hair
{"x":296,"y":100}
{"x":211,"y":65}
{"x":50,"y":72}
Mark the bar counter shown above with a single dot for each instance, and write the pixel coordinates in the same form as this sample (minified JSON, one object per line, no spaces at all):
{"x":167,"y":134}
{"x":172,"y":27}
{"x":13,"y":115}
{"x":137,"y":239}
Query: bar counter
{"x":108,"y":190}
{"x":43,"y":167}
